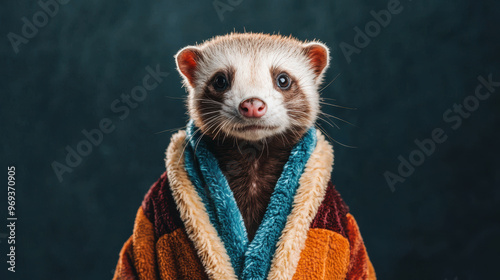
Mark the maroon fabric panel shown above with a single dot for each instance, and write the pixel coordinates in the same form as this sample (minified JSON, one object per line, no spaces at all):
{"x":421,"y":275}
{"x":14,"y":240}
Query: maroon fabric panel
{"x":159,"y":206}
{"x":332,"y":212}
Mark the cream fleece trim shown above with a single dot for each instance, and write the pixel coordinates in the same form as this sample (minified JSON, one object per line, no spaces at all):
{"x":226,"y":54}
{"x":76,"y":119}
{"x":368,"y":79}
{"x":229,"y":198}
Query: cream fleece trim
{"x":309,"y":196}
{"x":193,"y":213}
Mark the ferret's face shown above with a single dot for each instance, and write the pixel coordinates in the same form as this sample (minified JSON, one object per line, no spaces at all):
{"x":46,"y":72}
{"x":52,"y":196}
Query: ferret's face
{"x":253,"y":86}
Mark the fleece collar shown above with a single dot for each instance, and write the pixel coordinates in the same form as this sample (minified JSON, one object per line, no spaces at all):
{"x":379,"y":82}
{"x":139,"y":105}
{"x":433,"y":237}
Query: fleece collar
{"x":214,"y":223}
{"x":249,"y":260}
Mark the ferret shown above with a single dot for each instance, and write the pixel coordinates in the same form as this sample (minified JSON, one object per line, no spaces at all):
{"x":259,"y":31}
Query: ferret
{"x":253,"y":100}
{"x":253,"y":96}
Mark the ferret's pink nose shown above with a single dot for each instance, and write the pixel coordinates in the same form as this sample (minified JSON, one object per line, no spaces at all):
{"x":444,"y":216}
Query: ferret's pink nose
{"x":253,"y":108}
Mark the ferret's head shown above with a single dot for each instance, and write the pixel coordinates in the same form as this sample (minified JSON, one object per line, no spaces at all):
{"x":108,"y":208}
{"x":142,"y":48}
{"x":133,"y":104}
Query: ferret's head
{"x":253,"y":86}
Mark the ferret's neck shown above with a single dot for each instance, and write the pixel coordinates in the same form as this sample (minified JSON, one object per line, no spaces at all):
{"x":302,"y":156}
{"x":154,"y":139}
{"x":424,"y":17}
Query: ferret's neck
{"x":252,"y":170}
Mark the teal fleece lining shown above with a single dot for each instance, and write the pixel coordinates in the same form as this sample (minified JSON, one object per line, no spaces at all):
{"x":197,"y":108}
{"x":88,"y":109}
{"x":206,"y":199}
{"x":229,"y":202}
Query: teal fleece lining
{"x":217,"y":197}
{"x":250,"y":261}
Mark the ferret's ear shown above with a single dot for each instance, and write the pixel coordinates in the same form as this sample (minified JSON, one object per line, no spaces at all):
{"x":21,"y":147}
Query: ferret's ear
{"x":187,"y":60}
{"x":319,"y":58}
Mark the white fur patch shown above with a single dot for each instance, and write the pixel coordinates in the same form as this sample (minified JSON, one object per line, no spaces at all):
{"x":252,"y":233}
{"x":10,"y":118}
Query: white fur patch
{"x":252,"y":56}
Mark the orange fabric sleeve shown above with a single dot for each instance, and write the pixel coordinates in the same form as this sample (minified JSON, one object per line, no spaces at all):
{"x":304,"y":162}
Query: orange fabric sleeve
{"x":360,"y":267}
{"x":325,"y":256}
{"x":125,"y":267}
{"x":177,"y":258}
{"x":137,"y":258}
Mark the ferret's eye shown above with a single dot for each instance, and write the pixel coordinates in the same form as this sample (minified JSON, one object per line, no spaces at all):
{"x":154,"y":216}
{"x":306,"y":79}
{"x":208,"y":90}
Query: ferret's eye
{"x":283,"y":81}
{"x":220,"y":83}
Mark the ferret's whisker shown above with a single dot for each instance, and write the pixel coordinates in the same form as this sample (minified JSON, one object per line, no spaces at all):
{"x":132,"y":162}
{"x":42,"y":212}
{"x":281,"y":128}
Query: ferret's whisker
{"x":188,"y":140}
{"x":323,"y":113}
{"x":230,"y":123}
{"x":171,"y":129}
{"x":208,"y":101}
{"x":198,"y":142}
{"x":215,"y":122}
{"x":209,"y":113}
{"x":338,"y":106}
{"x":331,"y":138}
{"x":185,"y":146}
{"x":175,"y":97}
{"x":329,"y":83}
{"x":218,"y":128}
{"x":334,"y":124}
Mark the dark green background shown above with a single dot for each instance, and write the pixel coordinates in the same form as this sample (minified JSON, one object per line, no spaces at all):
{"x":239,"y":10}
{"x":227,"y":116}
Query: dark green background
{"x":442,"y":223}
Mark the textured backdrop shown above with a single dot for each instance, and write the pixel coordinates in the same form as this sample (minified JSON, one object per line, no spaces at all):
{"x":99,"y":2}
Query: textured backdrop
{"x":65,"y":66}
